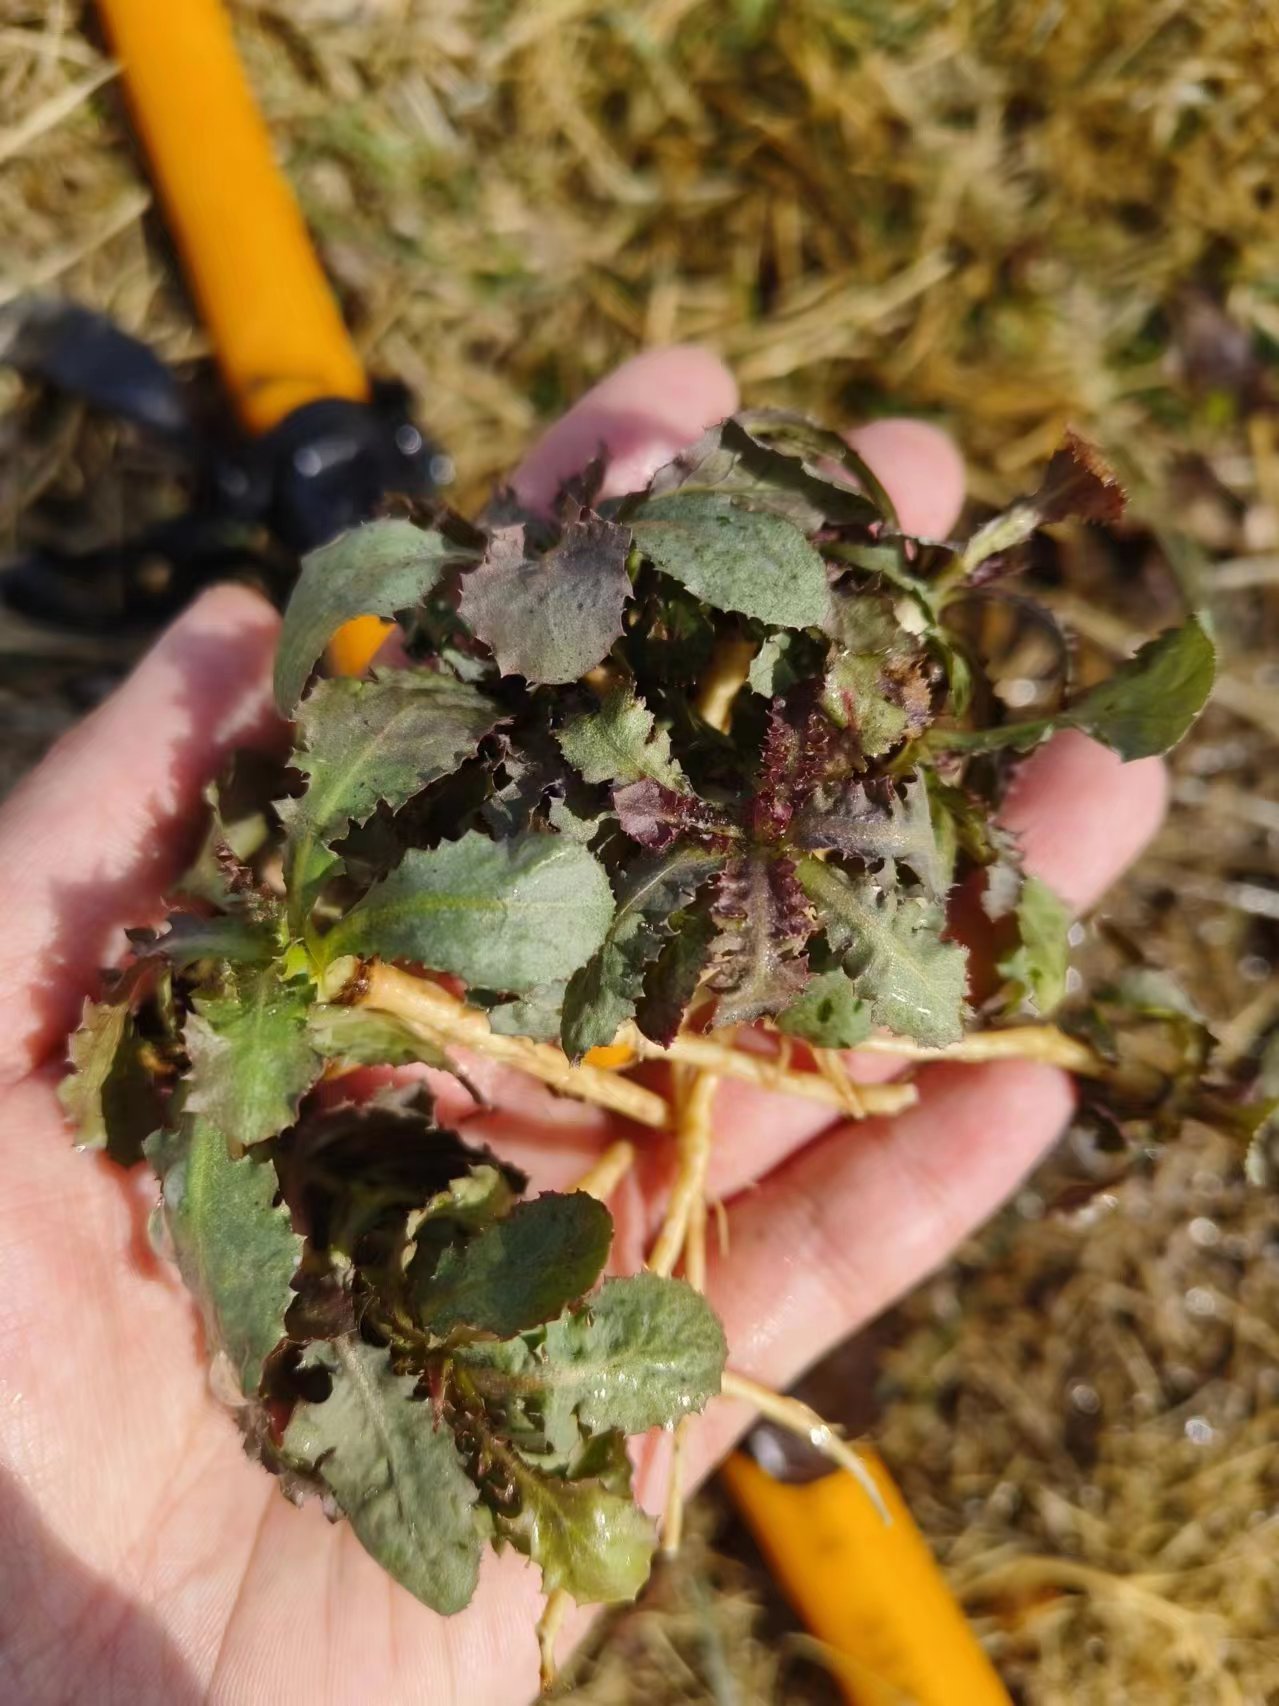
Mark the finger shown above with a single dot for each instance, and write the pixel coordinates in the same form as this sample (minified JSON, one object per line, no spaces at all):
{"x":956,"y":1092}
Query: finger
{"x":921,"y":470}
{"x":842,"y":1230}
{"x":1079,"y":852}
{"x":638,"y":417}
{"x":92,"y":837}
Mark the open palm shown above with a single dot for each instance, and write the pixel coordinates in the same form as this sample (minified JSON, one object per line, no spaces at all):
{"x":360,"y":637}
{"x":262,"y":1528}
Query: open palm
{"x":142,"y":1557}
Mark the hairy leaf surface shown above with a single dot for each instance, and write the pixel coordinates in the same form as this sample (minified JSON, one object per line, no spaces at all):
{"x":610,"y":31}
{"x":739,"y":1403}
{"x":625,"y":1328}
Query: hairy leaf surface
{"x":829,"y":1013}
{"x":619,"y":743}
{"x":518,"y":1271}
{"x":550,"y":618}
{"x":380,"y":569}
{"x":252,"y":1059}
{"x":735,"y":558}
{"x":509,"y":915}
{"x":235,"y":1246}
{"x":892,"y":950}
{"x":395,"y":1472}
{"x":602,"y":995}
{"x":1037,"y":966}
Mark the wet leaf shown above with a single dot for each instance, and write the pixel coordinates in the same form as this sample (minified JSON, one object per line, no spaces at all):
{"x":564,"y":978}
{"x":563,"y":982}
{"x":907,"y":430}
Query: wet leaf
{"x":550,"y":618}
{"x":735,"y":558}
{"x":394,"y":1471}
{"x":519,"y":1271}
{"x":511,"y":915}
{"x":891,"y":948}
{"x":383,"y":568}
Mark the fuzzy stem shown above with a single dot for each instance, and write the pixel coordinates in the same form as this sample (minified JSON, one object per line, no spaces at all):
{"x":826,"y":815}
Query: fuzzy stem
{"x":803,"y":1420}
{"x":444,"y":1020}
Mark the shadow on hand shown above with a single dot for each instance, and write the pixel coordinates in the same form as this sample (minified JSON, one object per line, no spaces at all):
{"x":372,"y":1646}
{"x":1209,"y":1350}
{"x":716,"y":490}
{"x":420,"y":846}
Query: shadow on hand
{"x":68,"y":1634}
{"x":221,"y":672}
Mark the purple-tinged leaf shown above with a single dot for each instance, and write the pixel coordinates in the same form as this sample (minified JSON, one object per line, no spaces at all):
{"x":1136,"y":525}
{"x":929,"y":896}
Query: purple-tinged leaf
{"x":764,"y":920}
{"x":657,"y":817}
{"x":554,"y":617}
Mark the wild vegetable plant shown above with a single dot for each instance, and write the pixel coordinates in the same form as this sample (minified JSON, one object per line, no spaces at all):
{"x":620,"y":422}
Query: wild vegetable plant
{"x":712,"y":756}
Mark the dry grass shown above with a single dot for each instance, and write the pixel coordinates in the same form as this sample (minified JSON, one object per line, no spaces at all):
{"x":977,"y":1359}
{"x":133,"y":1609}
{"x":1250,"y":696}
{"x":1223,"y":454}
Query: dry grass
{"x":1006,"y":214}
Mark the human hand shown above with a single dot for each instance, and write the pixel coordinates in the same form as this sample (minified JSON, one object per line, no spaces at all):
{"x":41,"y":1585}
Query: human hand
{"x":142,"y":1557}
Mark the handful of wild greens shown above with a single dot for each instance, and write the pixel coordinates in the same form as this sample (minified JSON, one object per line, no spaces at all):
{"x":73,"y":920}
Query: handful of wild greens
{"x":713,"y":754}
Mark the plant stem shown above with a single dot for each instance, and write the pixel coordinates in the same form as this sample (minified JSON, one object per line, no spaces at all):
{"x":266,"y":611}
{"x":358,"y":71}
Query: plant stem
{"x":1018,"y":1042}
{"x":693,"y":1137}
{"x":549,"y":1624}
{"x":855,"y":1100}
{"x":442,"y":1019}
{"x":803,"y":1420}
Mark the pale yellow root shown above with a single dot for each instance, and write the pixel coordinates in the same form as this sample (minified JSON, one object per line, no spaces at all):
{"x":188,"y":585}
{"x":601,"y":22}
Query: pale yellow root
{"x":692,"y":1156}
{"x":445,"y":1021}
{"x":683,"y":1233}
{"x":549,"y":1625}
{"x":857,"y":1101}
{"x":606,"y":1175}
{"x":803,"y":1420}
{"x":1019,"y":1042}
{"x":729,"y":667}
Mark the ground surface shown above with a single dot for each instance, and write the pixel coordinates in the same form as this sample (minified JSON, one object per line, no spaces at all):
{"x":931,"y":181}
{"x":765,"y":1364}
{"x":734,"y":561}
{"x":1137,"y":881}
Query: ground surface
{"x":1005,"y":216}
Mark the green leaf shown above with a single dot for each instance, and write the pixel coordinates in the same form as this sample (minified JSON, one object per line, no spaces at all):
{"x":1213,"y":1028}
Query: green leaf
{"x":189,"y":938}
{"x":877,"y":681}
{"x":673,"y":978}
{"x":1145,"y":707}
{"x":587,"y":1540}
{"x":359,"y":1036}
{"x":1038,"y":965}
{"x":829,"y":1013}
{"x":734,"y":558}
{"x":236,"y":1249}
{"x":550,"y":618}
{"x":509,"y":915}
{"x":252,"y":1059}
{"x":770,"y":461}
{"x":380,"y":569}
{"x":1151,"y":700}
{"x":619,"y":742}
{"x":779,"y":663}
{"x":519,"y":1271}
{"x":893,"y":951}
{"x":395,"y":1472}
{"x":603,"y":994}
{"x":643,"y":1351}
{"x":538,"y":1014}
{"x":110,"y":1096}
{"x":361,"y":743}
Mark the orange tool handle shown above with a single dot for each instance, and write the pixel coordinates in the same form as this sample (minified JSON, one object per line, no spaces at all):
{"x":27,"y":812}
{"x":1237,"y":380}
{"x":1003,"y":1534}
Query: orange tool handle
{"x":277,"y":332}
{"x":870,"y":1590}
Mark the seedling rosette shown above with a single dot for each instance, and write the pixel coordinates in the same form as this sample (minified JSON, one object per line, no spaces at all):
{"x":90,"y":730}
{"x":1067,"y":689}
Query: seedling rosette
{"x":712,"y":756}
